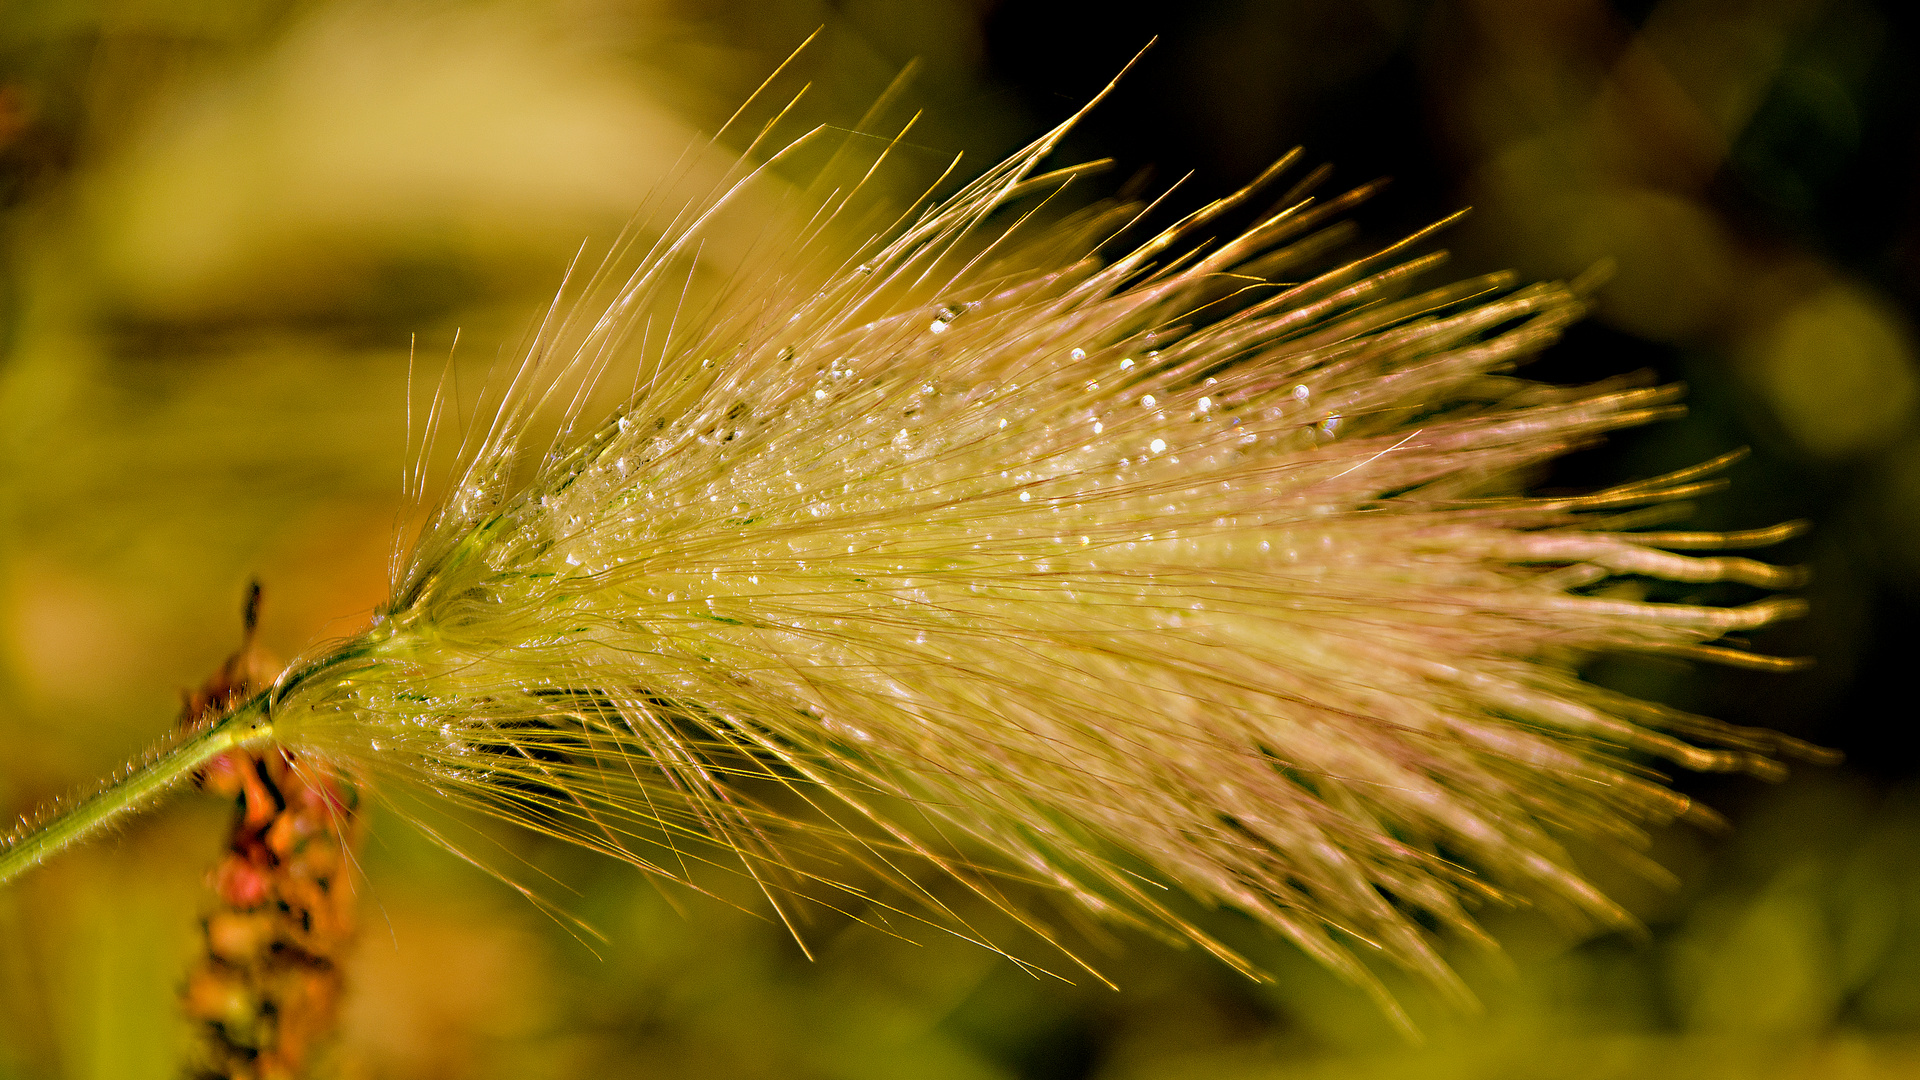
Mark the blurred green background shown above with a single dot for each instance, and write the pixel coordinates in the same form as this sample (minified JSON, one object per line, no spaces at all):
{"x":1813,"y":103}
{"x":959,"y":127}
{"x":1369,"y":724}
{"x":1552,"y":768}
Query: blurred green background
{"x":223,"y":223}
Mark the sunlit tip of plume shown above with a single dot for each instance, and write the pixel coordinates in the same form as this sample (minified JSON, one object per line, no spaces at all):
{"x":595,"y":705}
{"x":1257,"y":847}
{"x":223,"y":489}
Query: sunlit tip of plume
{"x":870,"y":558}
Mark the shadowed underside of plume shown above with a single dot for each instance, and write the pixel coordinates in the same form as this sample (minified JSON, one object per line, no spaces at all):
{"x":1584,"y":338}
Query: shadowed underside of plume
{"x":999,"y":545}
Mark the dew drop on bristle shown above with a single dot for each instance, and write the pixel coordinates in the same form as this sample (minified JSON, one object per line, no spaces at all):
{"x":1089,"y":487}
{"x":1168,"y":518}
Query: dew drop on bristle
{"x":943,"y":317}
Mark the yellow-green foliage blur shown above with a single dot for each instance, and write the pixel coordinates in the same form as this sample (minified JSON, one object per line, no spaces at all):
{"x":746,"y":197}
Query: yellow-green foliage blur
{"x":224,"y":226}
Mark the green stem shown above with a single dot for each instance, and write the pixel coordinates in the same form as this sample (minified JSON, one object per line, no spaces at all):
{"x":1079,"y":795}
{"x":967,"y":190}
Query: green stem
{"x":141,"y":785}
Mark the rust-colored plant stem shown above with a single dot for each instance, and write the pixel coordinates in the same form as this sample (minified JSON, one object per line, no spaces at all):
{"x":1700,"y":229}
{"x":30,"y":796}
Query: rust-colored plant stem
{"x":264,"y":994}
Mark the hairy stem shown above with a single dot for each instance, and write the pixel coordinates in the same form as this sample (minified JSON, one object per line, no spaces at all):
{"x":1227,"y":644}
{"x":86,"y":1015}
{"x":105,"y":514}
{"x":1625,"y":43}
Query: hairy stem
{"x":140,"y":786}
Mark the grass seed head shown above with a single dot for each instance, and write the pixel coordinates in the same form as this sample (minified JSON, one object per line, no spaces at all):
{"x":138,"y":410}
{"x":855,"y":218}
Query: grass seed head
{"x":983,"y":543}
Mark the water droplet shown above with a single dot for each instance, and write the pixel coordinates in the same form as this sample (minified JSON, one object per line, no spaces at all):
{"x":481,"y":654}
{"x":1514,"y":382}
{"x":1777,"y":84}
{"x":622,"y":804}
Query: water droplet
{"x":1026,"y":496}
{"x":943,"y":317}
{"x":1157,"y":445}
{"x":1206,"y":403}
{"x":1148,"y":400}
{"x":1127,"y":363}
{"x":1077,"y":354}
{"x":1301,"y":393}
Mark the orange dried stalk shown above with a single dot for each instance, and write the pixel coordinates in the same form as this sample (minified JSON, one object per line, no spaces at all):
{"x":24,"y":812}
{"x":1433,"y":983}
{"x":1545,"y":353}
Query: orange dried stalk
{"x":264,"y":995}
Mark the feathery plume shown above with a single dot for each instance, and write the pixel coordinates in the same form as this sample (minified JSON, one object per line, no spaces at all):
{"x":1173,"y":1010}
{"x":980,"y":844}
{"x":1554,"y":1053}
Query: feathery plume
{"x":1003,"y":548}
